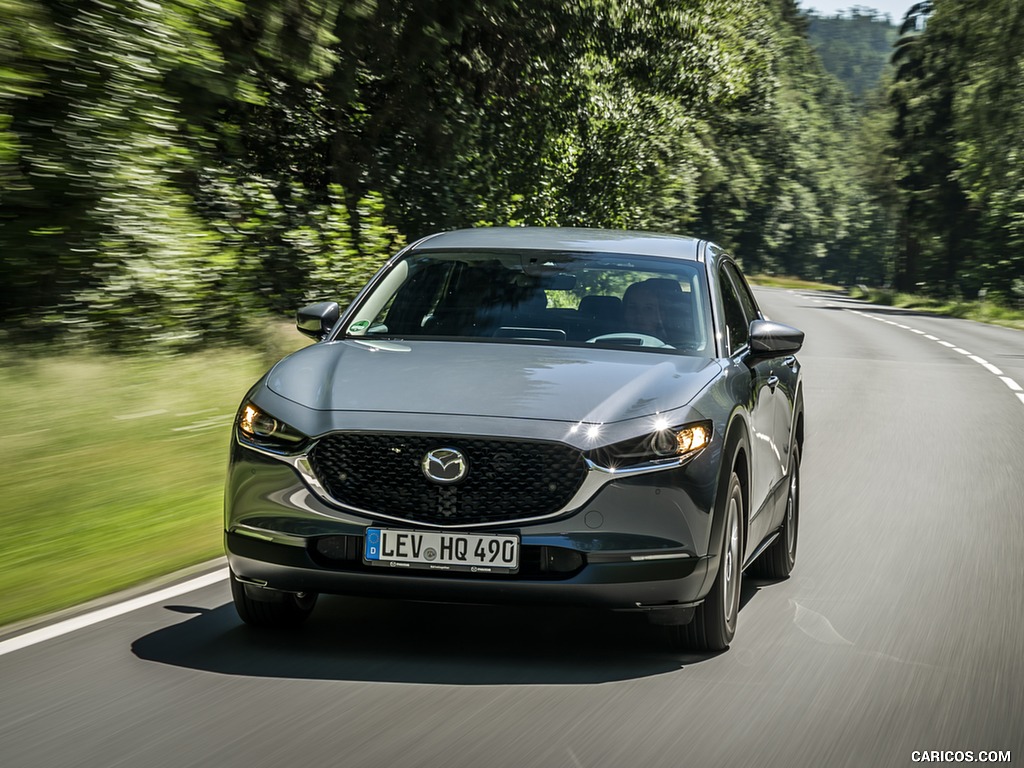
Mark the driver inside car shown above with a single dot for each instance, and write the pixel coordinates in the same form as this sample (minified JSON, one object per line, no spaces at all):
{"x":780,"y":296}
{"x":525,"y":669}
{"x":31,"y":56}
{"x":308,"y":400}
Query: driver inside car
{"x":653,"y":307}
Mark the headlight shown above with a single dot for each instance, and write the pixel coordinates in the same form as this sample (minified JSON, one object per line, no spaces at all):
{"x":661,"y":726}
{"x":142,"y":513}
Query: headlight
{"x":261,"y":430}
{"x":669,"y":445}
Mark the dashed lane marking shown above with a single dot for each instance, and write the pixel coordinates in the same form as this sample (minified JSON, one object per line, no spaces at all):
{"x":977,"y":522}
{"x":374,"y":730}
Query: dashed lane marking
{"x":986,"y":364}
{"x":979,"y":360}
{"x":1018,"y":390}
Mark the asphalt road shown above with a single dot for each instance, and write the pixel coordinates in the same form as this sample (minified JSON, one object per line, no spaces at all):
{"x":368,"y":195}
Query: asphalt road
{"x":902,"y":628}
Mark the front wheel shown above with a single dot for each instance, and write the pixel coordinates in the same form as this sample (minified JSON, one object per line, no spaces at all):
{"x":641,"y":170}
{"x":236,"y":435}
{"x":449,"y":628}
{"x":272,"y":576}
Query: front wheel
{"x":273,"y":609}
{"x":714,"y":622}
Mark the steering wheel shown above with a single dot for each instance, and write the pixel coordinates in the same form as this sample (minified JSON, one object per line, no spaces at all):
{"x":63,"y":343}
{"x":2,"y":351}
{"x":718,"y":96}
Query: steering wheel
{"x":630,"y":339}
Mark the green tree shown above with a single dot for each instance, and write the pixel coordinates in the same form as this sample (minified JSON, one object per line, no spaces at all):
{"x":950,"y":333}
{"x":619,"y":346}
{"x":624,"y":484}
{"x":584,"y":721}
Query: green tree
{"x":988,"y":120}
{"x":780,"y":190}
{"x":958,"y":129}
{"x":855,"y":47}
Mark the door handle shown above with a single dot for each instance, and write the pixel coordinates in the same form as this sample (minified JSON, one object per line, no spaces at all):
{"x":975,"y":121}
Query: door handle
{"x":790,"y":362}
{"x":773,"y":382}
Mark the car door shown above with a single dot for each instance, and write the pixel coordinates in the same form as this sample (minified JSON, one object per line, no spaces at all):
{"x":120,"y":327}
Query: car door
{"x":759,"y":392}
{"x":784,"y":371}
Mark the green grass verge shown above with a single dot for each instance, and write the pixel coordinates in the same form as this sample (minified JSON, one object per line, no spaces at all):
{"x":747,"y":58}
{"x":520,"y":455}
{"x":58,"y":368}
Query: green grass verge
{"x":113,"y":469}
{"x":985,"y":312}
{"x":776,"y":281}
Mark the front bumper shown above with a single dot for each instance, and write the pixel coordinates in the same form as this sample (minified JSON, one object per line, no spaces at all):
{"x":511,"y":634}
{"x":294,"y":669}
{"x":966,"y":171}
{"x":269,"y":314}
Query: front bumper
{"x":639,"y":543}
{"x":613,"y":585}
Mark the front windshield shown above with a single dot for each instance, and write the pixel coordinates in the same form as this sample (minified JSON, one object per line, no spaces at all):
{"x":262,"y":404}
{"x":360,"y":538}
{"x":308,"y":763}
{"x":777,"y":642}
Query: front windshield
{"x":566,"y":298}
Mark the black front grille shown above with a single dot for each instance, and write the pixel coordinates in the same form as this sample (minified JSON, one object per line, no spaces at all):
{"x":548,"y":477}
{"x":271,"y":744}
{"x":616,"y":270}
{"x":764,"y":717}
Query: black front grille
{"x":507,"y":479}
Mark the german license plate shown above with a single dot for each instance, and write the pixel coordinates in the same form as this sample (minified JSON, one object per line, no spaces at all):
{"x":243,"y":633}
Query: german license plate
{"x":442,"y":550}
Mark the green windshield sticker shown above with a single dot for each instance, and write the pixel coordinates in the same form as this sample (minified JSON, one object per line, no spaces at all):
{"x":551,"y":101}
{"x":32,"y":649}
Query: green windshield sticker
{"x":359,"y":327}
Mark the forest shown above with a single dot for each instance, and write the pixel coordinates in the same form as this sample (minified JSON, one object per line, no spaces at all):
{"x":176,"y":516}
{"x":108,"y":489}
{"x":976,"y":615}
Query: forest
{"x":171,"y":169}
{"x":855,"y":47}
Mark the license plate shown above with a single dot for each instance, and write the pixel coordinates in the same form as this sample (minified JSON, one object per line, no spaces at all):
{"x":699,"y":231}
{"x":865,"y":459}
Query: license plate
{"x":442,"y":551}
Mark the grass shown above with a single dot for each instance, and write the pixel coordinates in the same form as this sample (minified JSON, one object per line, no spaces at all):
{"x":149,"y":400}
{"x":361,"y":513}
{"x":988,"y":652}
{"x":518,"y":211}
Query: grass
{"x":113,"y":469}
{"x":796,"y":283}
{"x":982,"y":311}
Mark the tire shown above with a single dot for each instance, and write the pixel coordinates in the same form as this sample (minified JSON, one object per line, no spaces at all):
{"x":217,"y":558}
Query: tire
{"x":714,"y":622}
{"x":778,"y":560}
{"x":279,"y":610}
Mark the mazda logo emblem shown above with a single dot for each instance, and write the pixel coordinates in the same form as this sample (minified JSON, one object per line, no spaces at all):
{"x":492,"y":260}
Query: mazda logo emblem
{"x":445,"y":466}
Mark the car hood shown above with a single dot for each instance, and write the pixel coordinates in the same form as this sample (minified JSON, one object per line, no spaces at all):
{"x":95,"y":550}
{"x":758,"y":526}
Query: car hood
{"x":523,"y":381}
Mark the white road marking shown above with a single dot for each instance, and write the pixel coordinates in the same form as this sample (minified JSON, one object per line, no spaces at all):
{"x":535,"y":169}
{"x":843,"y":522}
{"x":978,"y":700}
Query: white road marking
{"x":110,"y":612}
{"x":986,"y":364}
{"x":979,"y":360}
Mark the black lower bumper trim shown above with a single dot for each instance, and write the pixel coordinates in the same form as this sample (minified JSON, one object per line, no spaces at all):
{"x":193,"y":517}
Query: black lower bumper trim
{"x":623,"y":585}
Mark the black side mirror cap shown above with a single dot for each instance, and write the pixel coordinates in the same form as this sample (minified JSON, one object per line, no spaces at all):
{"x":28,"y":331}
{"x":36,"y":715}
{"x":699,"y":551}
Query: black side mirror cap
{"x":317,"y":320}
{"x":768,"y":338}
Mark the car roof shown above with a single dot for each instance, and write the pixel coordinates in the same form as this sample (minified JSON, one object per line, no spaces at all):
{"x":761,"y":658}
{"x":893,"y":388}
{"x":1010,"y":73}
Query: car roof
{"x":565,"y":239}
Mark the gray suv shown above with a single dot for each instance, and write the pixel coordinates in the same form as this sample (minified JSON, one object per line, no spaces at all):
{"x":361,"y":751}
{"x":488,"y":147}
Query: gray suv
{"x":532,"y":415}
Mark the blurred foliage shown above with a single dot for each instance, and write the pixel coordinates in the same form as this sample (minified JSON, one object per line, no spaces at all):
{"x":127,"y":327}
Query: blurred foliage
{"x":855,"y":47}
{"x":958,"y":141}
{"x":169,"y":171}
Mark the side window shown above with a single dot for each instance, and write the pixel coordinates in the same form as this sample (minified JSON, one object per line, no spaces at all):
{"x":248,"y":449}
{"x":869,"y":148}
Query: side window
{"x":743,"y":290}
{"x":737,"y":321}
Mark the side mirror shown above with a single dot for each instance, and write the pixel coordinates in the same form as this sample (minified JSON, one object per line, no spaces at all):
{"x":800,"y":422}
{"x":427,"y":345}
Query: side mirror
{"x":316,"y":320}
{"x":768,"y":338}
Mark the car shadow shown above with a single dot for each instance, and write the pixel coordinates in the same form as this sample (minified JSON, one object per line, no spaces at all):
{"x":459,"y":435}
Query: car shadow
{"x":387,"y":641}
